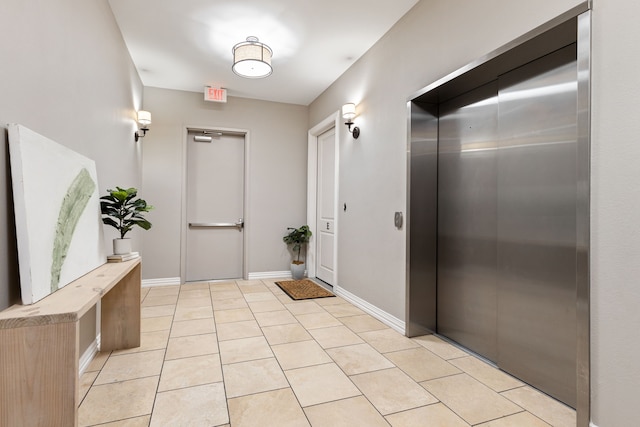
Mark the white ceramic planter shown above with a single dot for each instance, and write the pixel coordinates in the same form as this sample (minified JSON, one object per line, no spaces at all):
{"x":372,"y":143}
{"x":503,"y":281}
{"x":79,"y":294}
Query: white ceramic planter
{"x":121,"y":246}
{"x":297,"y":271}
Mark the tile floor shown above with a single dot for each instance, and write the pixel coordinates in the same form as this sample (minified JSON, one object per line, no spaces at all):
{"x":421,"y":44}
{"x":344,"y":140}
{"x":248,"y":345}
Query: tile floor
{"x":244,"y":354}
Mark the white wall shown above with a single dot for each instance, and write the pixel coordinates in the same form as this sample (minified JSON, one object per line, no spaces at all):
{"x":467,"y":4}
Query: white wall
{"x":66,"y":74}
{"x":615,"y":214}
{"x":277,"y":176}
{"x":434,"y":39}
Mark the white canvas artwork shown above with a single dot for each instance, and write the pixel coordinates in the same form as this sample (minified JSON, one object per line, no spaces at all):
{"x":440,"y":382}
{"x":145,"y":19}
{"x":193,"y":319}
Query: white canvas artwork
{"x":57,"y":210}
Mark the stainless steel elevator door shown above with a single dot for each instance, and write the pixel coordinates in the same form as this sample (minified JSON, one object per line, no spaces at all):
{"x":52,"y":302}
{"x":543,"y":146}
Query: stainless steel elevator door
{"x":466,"y":295}
{"x":537,"y":190}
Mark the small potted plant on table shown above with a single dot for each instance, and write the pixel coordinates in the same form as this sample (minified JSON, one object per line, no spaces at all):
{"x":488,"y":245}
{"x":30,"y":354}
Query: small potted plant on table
{"x":297,"y":238}
{"x":122,"y":210}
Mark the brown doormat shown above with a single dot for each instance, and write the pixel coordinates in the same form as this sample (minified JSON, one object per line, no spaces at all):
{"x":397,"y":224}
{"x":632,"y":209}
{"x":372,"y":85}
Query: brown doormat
{"x":303,"y":289}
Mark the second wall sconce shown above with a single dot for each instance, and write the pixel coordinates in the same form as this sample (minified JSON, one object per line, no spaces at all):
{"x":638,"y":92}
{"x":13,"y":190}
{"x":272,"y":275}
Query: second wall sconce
{"x":144,"y":120}
{"x":349,"y":113}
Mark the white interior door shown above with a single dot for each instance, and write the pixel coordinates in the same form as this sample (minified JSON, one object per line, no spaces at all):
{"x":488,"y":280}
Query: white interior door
{"x":215,"y":206}
{"x":325,"y":235}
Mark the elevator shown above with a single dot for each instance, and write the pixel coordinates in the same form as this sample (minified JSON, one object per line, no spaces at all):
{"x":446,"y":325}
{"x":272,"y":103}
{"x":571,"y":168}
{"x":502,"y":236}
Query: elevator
{"x":497,"y":172}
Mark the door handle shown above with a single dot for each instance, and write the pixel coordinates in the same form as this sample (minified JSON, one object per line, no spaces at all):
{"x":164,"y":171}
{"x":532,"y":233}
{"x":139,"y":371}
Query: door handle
{"x":239,"y":224}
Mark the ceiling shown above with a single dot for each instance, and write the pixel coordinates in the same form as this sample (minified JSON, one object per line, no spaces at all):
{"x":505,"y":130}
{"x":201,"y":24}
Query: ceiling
{"x":186,"y":44}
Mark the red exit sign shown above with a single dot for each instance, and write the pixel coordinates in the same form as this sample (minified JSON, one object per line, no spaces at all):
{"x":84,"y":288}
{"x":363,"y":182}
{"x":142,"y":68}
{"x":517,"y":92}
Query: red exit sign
{"x":215,"y":94}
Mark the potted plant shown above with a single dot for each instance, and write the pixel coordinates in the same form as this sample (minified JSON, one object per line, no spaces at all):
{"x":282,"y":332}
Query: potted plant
{"x":297,"y":237}
{"x":123,"y":210}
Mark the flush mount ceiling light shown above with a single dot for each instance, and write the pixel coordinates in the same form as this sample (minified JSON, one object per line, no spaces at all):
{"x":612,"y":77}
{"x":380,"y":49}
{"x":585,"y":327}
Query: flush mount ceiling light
{"x":252,"y":59}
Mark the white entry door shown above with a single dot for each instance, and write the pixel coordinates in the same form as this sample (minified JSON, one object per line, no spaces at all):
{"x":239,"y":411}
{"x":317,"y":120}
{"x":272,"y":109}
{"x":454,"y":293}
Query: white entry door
{"x":325,"y":236}
{"x":215,"y":206}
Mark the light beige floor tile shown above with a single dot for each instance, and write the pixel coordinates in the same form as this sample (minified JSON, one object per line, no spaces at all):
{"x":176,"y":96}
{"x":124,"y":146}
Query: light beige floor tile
{"x":157,"y":291}
{"x":285,"y":299}
{"x":244,"y":349}
{"x":353,"y":412}
{"x":143,"y":293}
{"x":359,"y":358}
{"x":470,"y":399}
{"x":336,"y":336}
{"x":160,"y":300}
{"x":386,"y":340}
{"x":233,"y":315}
{"x":260,"y":296}
{"x":229,"y":304}
{"x":253,"y":288}
{"x":195,"y":293}
{"x":193,"y":302}
{"x":86,"y":381}
{"x":236,"y":330}
{"x":320,"y":384}
{"x":223,"y":295}
{"x":98,"y":361}
{"x":342,"y":310}
{"x":486,"y":374}
{"x":283,"y":334}
{"x":436,"y":415}
{"x":277,"y":408}
{"x":156,"y":340}
{"x":362,"y":323}
{"x":193,"y":345}
{"x":330,"y":301}
{"x":203,"y":405}
{"x":205,"y":284}
{"x":192,"y":327}
{"x":192,"y":313}
{"x":156,"y":324}
{"x":271,"y":318}
{"x":522,"y":419}
{"x":304,"y":307}
{"x":130,"y":422}
{"x":132,"y":398}
{"x":421,"y":365}
{"x":269,"y":305}
{"x":250,"y":282}
{"x":254,"y":376}
{"x":130,"y":366}
{"x":542,"y":406}
{"x":190,"y":371}
{"x":157,"y":311}
{"x":391,"y":390}
{"x":223,"y":286}
{"x":300,"y":354}
{"x":318,"y":320}
{"x":440,"y":347}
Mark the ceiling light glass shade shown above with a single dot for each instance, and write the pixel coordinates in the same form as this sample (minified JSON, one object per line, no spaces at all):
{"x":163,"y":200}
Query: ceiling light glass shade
{"x":252,"y":59}
{"x":144,"y":118}
{"x":349,"y":111}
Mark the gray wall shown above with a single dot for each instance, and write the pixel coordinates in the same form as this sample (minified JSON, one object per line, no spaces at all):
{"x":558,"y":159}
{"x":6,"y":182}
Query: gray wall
{"x":66,"y":74}
{"x":452,"y":33}
{"x":277,"y":175}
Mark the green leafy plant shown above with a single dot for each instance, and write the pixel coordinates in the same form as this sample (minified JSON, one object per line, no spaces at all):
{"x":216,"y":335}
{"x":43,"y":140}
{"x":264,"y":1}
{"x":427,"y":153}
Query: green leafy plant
{"x":123,"y":210}
{"x":297,"y":237}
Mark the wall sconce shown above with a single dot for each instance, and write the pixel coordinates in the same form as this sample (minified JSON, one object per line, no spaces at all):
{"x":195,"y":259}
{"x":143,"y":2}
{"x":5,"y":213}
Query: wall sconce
{"x":349,"y":113}
{"x":144,"y":119}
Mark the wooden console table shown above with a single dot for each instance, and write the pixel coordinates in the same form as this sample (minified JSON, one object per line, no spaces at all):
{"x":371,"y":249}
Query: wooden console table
{"x":39,"y":344}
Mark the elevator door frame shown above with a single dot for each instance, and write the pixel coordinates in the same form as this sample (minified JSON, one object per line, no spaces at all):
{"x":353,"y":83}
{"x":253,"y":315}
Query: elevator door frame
{"x":570,"y":27}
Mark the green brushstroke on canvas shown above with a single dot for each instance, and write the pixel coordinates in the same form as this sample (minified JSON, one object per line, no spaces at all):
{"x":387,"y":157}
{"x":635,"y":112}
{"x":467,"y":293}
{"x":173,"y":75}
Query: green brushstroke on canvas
{"x":73,"y":204}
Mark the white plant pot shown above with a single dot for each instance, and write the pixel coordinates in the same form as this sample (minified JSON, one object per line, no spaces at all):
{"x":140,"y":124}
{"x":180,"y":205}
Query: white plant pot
{"x":121,"y":246}
{"x":297,"y":271}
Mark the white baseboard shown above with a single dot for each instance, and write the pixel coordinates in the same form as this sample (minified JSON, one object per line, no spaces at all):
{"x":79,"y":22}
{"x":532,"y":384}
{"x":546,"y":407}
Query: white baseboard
{"x":381,"y":315}
{"x":166,"y":281}
{"x":592,"y":425}
{"x":88,"y":355}
{"x":270,"y":275}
